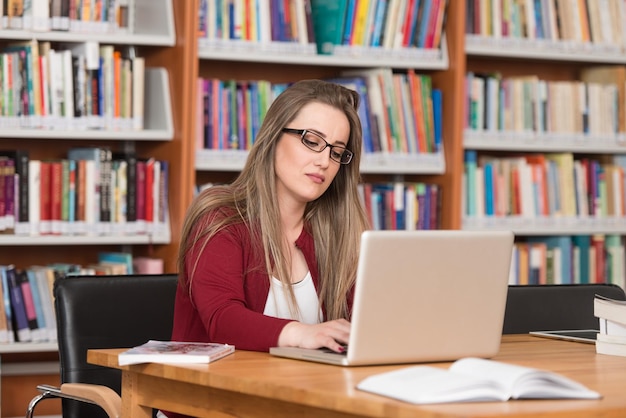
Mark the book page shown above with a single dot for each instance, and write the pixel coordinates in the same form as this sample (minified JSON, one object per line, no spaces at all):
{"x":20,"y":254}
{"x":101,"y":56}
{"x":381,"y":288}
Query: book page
{"x":524,"y":382}
{"x":426,"y":384}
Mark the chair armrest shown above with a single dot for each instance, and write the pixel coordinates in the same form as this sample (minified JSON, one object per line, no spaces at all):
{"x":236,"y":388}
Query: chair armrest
{"x":102,"y":396}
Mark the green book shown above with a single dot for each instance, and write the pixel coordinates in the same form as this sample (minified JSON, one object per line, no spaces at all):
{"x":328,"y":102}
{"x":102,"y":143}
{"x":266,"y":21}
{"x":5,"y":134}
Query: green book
{"x":328,"y":23}
{"x":582,"y":243}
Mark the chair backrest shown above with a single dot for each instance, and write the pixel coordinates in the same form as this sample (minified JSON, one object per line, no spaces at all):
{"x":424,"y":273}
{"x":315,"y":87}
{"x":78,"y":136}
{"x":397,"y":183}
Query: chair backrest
{"x":554,"y":307}
{"x":108,"y":312}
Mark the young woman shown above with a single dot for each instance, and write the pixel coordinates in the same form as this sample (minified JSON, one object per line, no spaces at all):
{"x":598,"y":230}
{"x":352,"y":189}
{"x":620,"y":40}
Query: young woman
{"x":270,"y":260}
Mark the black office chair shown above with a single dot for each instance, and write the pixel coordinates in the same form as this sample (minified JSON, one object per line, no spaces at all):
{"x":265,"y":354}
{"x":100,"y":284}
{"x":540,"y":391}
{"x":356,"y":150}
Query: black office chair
{"x":104,"y":312}
{"x":554,"y":307}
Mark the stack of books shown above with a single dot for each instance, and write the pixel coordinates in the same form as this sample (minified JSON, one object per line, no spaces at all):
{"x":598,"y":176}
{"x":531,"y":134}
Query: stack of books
{"x":612,"y":336}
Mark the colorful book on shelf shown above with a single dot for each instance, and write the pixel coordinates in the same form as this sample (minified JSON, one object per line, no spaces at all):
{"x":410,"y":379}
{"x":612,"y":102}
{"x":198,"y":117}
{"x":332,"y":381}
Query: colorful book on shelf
{"x":44,"y":278}
{"x":29,"y":282}
{"x":437,"y":101}
{"x":125,"y":259}
{"x":474,"y":380}
{"x":470,"y":182}
{"x":349,"y":21}
{"x":6,"y":332}
{"x":378,"y":101}
{"x":359,"y":85}
{"x":612,"y":75}
{"x":29,"y":58}
{"x":4,"y":178}
{"x":29,"y":305}
{"x":175,"y":352}
{"x":378,"y":23}
{"x":328,"y":23}
{"x":18,"y":307}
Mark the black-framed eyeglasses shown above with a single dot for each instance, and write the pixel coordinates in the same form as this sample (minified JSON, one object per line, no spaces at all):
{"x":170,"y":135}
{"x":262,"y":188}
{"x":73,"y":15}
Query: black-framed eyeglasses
{"x":315,"y":142}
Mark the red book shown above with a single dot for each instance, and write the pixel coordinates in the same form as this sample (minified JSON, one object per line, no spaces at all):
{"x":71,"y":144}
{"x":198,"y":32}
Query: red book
{"x":141,"y":190}
{"x":515,"y":195}
{"x":45,"y":208}
{"x":81,"y":187}
{"x":149,"y":191}
{"x":597,"y":243}
{"x":56,"y":196}
{"x":432,"y":24}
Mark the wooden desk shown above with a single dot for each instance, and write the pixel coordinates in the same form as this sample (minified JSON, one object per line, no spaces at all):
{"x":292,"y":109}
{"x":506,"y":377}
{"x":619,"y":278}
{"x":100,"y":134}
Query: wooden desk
{"x":250,"y":384}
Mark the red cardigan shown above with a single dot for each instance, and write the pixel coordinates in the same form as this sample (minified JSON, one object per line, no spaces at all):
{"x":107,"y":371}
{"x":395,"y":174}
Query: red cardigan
{"x":229,"y":291}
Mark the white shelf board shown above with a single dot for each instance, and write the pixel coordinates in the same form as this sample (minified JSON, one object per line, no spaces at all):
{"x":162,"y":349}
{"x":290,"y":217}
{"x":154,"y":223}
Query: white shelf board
{"x":158,"y":121}
{"x":164,"y":238}
{"x":153,"y":25}
{"x":75,"y":37}
{"x":543,"y":50}
{"x":432,"y":163}
{"x":534,"y":142}
{"x":353,"y":57}
{"x":548,"y":226}
{"x":43,"y":347}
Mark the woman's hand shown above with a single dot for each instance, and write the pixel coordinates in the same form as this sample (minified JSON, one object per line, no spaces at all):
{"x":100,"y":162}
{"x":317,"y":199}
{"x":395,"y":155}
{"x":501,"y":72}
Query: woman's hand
{"x":332,"y":334}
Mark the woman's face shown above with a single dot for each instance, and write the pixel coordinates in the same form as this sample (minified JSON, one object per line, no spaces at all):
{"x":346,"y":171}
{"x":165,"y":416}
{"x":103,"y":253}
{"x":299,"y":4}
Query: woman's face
{"x":303,"y":175}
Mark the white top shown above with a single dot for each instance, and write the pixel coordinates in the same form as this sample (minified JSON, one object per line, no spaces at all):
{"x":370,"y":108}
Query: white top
{"x":306,"y":297}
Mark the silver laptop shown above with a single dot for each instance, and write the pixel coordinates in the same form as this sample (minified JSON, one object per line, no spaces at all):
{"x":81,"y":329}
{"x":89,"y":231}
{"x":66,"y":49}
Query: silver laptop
{"x":424,"y":296}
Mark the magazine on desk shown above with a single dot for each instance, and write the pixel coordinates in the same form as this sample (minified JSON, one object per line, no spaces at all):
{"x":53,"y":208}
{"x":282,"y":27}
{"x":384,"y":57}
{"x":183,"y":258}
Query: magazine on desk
{"x":473,"y":380}
{"x":174,"y":352}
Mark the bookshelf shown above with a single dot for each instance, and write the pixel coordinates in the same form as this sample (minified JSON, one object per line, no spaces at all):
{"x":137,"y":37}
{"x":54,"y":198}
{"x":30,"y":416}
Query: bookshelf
{"x":168,"y":41}
{"x":562,"y":56}
{"x":163,"y":32}
{"x":241,"y":60}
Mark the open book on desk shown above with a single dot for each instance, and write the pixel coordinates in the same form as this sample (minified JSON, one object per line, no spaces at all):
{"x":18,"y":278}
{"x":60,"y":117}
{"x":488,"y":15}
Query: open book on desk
{"x":173,"y":352}
{"x":473,"y":380}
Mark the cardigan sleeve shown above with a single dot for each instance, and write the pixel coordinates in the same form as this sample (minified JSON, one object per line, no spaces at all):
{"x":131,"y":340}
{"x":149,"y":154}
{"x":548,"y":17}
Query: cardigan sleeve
{"x":227,"y":295}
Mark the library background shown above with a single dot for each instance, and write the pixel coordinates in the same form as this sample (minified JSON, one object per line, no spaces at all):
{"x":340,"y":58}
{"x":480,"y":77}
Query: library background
{"x":477,"y":115}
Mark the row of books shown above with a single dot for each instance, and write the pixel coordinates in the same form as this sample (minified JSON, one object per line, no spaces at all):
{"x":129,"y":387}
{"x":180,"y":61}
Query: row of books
{"x":26,"y":295}
{"x":378,"y":23}
{"x":91,"y":192}
{"x":544,"y":185}
{"x":400,"y":113}
{"x":232,"y":111}
{"x":78,"y":86}
{"x":402,"y":206}
{"x":611,"y":314}
{"x":264,"y":22}
{"x":327,"y":23}
{"x":65,"y":15}
{"x":586,"y":21}
{"x":569,"y":259}
{"x":594,"y":106}
{"x":395,"y":205}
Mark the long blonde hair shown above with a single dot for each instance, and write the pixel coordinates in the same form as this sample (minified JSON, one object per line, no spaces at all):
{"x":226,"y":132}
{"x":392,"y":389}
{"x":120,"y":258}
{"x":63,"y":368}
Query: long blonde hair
{"x":336,"y":219}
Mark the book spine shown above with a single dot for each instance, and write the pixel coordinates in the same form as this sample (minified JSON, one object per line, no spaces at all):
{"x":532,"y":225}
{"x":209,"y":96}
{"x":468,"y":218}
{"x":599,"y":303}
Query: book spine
{"x":6,"y":301}
{"x":141,"y":196}
{"x":45,"y":215}
{"x":22,"y":329}
{"x":30,"y":281}
{"x":56,"y":196}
